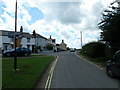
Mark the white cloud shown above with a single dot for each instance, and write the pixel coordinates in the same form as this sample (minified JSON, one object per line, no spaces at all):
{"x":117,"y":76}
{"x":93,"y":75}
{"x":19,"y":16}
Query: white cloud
{"x":64,"y":19}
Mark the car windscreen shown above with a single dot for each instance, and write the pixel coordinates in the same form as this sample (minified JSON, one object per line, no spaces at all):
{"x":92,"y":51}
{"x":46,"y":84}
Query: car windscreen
{"x":117,"y":56}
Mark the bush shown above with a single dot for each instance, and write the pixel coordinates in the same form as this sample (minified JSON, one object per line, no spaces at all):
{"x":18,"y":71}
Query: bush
{"x":94,"y":49}
{"x":49,"y":47}
{"x":109,"y":52}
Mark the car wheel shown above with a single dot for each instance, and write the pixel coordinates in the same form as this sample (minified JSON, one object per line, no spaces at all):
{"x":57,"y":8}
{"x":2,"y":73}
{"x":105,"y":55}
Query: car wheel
{"x":110,"y":73}
{"x":8,"y":54}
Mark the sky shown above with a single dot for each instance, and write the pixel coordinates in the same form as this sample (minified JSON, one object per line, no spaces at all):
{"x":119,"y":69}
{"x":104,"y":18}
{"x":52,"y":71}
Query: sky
{"x":62,"y":19}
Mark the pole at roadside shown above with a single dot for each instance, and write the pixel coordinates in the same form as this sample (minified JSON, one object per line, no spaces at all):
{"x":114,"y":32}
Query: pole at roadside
{"x":15,"y":54}
{"x":81,"y":38}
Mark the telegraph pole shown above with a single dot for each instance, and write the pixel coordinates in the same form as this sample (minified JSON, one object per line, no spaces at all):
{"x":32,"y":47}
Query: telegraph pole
{"x":81,"y":38}
{"x":15,"y":54}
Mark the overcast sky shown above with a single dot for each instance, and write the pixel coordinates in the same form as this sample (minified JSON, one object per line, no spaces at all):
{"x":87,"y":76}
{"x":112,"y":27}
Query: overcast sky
{"x":62,"y":19}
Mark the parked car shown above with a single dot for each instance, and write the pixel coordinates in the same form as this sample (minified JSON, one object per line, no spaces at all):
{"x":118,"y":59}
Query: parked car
{"x":113,"y":66}
{"x":72,"y":50}
{"x":19,"y":51}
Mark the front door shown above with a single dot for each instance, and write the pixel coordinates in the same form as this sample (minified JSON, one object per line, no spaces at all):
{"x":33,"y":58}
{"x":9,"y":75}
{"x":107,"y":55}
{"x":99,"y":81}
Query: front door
{"x":33,"y":48}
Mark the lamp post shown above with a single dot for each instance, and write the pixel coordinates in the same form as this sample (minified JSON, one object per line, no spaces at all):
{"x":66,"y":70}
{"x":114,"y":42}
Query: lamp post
{"x":15,"y":54}
{"x":81,"y":38}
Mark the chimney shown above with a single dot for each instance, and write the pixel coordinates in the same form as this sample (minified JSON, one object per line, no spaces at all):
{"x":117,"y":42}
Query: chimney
{"x":62,"y":41}
{"x":50,"y":37}
{"x":21,"y":29}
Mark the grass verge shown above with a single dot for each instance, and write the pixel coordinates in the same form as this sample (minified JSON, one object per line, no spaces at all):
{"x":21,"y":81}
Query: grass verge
{"x":100,"y":61}
{"x":24,"y":56}
{"x":30,"y":71}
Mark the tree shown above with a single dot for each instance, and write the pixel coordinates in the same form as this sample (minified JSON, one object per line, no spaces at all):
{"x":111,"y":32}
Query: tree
{"x":110,"y":26}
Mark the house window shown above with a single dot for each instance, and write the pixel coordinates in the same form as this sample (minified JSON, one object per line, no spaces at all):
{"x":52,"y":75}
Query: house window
{"x":28,"y":40}
{"x":11,"y":39}
{"x":28,"y":46}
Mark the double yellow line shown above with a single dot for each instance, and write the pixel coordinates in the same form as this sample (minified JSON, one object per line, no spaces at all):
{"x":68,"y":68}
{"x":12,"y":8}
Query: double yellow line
{"x":50,"y":75}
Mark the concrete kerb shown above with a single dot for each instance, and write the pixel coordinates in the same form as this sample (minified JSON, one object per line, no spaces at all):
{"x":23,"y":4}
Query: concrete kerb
{"x":89,"y":61}
{"x":45,"y":81}
{"x":49,"y":78}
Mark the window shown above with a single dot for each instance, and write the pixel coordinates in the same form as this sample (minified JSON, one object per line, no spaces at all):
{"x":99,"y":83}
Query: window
{"x":28,"y":46}
{"x":28,"y":40}
{"x":11,"y":39}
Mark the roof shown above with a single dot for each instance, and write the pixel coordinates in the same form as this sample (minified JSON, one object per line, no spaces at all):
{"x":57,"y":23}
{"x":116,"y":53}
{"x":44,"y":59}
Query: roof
{"x":24,"y":34}
{"x":6,"y":33}
{"x":27,"y":35}
{"x":38,"y":35}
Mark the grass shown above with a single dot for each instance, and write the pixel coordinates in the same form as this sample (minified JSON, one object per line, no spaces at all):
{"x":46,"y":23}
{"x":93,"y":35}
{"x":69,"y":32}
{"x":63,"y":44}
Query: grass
{"x":22,"y":56}
{"x":101,"y":61}
{"x":31,"y":69}
{"x":36,"y":55}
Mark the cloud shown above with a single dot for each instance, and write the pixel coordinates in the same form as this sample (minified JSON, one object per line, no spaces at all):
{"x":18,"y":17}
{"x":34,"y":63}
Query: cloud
{"x":65,"y":34}
{"x":63,"y":20}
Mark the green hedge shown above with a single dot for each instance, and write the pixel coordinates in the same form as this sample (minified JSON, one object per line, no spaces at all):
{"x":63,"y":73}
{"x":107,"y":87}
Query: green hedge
{"x":96,"y":49}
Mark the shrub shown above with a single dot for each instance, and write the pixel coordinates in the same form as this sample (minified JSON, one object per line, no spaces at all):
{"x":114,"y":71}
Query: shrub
{"x":49,"y":47}
{"x":94,"y":49}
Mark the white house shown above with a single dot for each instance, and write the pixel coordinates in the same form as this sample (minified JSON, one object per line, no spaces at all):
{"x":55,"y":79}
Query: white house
{"x":52,"y":42}
{"x":27,"y":40}
{"x":7,"y":43}
{"x":43,"y":42}
{"x":40,"y":41}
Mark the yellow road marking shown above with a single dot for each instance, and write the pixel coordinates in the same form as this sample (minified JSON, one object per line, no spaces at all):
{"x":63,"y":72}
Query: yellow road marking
{"x":49,"y":79}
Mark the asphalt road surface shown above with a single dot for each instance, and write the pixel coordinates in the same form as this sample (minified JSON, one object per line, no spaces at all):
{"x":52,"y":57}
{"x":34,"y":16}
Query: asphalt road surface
{"x":73,"y":72}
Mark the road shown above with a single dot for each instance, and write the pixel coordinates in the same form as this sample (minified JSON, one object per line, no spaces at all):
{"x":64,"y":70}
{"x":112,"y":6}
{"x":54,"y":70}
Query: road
{"x":72,"y":72}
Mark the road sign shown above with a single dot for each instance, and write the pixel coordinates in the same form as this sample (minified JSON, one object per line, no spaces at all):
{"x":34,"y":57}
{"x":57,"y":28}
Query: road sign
{"x":15,"y":34}
{"x":11,"y":34}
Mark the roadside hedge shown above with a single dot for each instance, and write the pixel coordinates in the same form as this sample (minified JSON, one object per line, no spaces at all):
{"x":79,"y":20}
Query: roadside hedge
{"x":96,"y":49}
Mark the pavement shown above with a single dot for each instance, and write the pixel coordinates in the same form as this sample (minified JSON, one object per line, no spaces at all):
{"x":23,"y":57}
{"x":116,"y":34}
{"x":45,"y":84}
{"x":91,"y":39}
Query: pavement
{"x":73,"y":72}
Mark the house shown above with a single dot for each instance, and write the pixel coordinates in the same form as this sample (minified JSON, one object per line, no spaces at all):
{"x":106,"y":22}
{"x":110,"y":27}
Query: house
{"x":40,"y":41}
{"x":51,"y":43}
{"x":28,"y":41}
{"x":7,"y":43}
{"x":24,"y":39}
{"x":62,"y":46}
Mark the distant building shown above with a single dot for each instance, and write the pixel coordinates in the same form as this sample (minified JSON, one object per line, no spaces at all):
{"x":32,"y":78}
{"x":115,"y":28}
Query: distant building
{"x":62,"y":46}
{"x":52,"y":43}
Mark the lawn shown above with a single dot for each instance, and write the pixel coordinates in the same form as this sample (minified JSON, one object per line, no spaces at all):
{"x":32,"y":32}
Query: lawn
{"x":30,"y":71}
{"x":24,"y":56}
